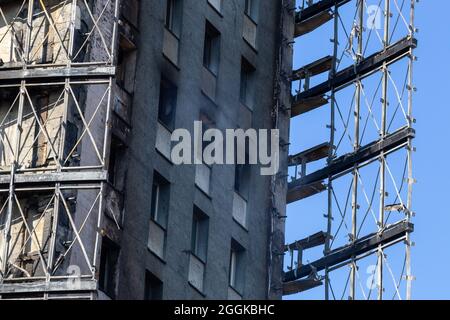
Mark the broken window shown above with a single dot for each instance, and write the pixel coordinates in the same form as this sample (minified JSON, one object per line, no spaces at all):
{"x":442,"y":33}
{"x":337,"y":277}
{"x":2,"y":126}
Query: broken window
{"x":247,"y":83}
{"x":211,"y":51}
{"x":200,"y":233}
{"x":117,"y":164}
{"x":237,"y":267}
{"x":167,"y":103}
{"x":108,"y":267}
{"x":130,"y":11}
{"x":153,"y":287}
{"x":126,"y":66}
{"x":127,"y":51}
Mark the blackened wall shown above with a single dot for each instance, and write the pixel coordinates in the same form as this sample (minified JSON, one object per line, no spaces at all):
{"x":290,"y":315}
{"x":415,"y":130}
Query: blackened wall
{"x":225,"y":112}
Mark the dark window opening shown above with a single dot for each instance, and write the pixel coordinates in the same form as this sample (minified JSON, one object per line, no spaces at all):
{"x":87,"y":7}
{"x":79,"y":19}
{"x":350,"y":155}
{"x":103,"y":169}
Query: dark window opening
{"x":247,"y":83}
{"x":211,"y":51}
{"x":130,"y":11}
{"x":167,"y":103}
{"x":251,"y":9}
{"x":108,"y":267}
{"x":117,"y":164}
{"x":173,"y":16}
{"x":153,"y":287}
{"x":242,"y":179}
{"x":126,"y":65}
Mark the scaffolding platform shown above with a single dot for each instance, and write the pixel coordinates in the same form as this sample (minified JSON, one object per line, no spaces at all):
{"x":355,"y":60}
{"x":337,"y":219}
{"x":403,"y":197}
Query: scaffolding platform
{"x":311,"y":24}
{"x":297,"y":193}
{"x":313,"y":69}
{"x":294,"y":287}
{"x":388,"y":236}
{"x":318,"y":8}
{"x":361,"y":70}
{"x":347,"y":162}
{"x":310,"y":242}
{"x":311,"y":155}
{"x":303,"y":106}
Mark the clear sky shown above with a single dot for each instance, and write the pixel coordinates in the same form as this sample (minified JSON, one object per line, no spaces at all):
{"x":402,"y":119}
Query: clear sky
{"x":431,"y":255}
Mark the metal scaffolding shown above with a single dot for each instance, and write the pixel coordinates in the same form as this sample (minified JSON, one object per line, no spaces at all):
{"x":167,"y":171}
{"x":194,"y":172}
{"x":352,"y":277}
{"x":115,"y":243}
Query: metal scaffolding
{"x":369,"y":181}
{"x":57,"y":88}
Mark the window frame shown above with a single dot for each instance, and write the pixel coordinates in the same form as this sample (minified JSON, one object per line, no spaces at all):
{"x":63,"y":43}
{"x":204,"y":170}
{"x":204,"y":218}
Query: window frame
{"x":233,"y":265}
{"x":150,"y":279}
{"x":212,"y":49}
{"x":246,"y":89}
{"x":237,"y":267}
{"x":200,"y":223}
{"x":251,"y":10}
{"x":108,"y":274}
{"x":174,"y":12}
{"x":159,"y":181}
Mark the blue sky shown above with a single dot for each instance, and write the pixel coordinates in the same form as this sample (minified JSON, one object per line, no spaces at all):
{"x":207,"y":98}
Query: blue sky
{"x":431,"y":255}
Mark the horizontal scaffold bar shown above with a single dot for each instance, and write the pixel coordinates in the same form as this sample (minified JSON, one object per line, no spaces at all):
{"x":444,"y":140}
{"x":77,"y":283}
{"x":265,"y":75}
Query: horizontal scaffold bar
{"x":361,"y":70}
{"x":364,"y":245}
{"x":313,"y":69}
{"x":344,"y":163}
{"x":56,"y":73}
{"x":50,"y":178}
{"x":317,"y":8}
{"x":64,"y":285}
{"x":314,"y":154}
{"x":294,"y":287}
{"x":313,"y":241}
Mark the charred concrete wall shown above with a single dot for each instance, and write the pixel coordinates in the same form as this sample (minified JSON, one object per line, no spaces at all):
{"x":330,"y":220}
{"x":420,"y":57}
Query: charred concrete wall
{"x":225,"y":110}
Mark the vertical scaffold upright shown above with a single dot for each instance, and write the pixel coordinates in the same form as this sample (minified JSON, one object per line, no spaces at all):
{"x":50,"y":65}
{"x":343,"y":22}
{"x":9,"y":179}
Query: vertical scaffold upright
{"x":369,"y":181}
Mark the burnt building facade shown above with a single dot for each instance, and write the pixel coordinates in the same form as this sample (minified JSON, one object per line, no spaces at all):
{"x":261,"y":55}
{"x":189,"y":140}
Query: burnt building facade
{"x":92,"y":206}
